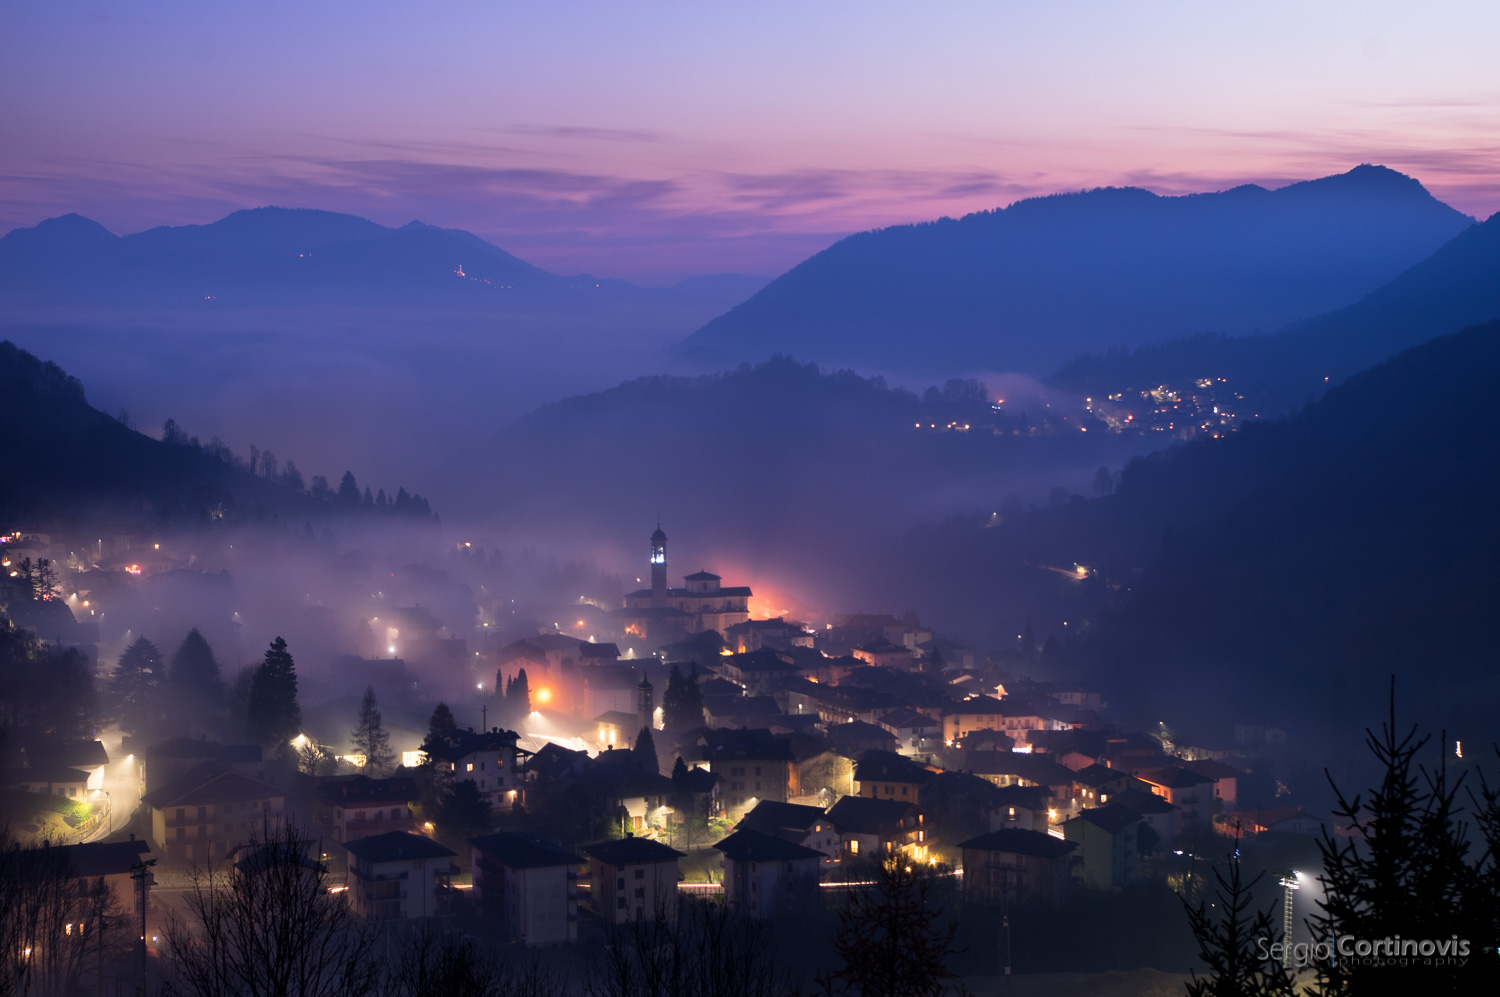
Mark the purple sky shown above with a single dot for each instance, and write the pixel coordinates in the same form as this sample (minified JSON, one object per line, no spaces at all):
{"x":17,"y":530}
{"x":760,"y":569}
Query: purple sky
{"x":655,"y":141}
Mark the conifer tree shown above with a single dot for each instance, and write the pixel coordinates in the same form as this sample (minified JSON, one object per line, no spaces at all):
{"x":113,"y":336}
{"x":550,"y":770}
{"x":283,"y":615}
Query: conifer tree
{"x":1404,"y":872}
{"x":370,"y":737}
{"x":195,"y":672}
{"x":682,"y":701}
{"x":441,"y":726}
{"x":1235,"y":942}
{"x":137,"y":679}
{"x":273,"y":714}
{"x":518,"y":697}
{"x":645,"y":752}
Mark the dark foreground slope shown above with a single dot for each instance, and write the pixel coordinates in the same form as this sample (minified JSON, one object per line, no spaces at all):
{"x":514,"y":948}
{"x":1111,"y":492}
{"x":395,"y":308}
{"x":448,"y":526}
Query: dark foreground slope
{"x":1284,"y":571}
{"x":1029,"y":286}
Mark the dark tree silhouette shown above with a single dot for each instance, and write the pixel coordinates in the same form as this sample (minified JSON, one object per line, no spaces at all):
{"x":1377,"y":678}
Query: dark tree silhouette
{"x":348,"y":494}
{"x":518,"y":697}
{"x":1404,"y":872}
{"x":889,"y":942}
{"x":195,"y":672}
{"x":370,"y":737}
{"x":1236,"y":942}
{"x":137,"y":678}
{"x":463,"y":811}
{"x":645,"y":752}
{"x":273,"y":714}
{"x":682,"y":702}
{"x":441,"y":726}
{"x":269,"y":927}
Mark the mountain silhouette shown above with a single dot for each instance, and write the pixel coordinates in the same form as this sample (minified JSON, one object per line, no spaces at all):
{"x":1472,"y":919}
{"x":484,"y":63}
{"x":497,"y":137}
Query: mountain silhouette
{"x":1029,"y":286}
{"x":273,"y":256}
{"x":1282,"y":572}
{"x":1455,"y":287}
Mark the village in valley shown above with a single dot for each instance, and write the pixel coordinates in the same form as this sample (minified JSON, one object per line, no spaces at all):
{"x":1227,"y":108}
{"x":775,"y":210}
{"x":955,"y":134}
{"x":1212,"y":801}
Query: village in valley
{"x":541,"y":786}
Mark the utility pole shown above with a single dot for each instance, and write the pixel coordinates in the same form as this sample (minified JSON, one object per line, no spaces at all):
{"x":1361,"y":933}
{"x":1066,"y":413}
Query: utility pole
{"x":484,"y":717}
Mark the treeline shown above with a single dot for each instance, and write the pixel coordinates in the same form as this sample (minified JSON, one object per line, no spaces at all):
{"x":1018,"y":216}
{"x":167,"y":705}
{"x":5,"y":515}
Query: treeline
{"x":66,"y":459}
{"x":266,"y":465}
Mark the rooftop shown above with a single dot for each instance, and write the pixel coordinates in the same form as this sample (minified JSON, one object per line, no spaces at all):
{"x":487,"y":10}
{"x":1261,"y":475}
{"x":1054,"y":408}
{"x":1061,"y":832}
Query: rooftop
{"x":520,"y":850}
{"x":210,"y":783}
{"x":863,"y":815}
{"x":397,"y":846}
{"x":754,"y":846}
{"x":1113,"y":818}
{"x":1019,"y":841}
{"x":631,"y":851}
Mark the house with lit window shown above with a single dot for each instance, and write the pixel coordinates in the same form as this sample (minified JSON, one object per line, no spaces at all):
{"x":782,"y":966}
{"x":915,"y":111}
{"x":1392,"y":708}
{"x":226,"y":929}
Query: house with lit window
{"x":399,"y":876}
{"x":805,"y":825}
{"x":631,"y":879}
{"x":491,"y":759}
{"x":886,"y":775}
{"x":761,"y":870}
{"x":1192,"y":794}
{"x":528,"y":885}
{"x":917,"y":735}
{"x":752,"y":765}
{"x":871,"y":829}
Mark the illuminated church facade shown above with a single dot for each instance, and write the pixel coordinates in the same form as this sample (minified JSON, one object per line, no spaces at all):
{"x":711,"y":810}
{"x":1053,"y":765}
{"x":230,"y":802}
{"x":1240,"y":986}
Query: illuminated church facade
{"x":702,"y":604}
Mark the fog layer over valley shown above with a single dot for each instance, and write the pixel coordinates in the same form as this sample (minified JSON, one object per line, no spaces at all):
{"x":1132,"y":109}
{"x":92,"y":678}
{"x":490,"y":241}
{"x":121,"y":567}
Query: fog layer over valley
{"x":372,"y":424}
{"x":272,"y":321}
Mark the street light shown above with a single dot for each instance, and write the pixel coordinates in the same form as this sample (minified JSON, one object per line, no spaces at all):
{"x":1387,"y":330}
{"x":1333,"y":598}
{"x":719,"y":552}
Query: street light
{"x":1289,"y":883}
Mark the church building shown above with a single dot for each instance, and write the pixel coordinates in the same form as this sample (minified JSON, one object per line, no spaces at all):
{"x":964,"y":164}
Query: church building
{"x":703,"y":604}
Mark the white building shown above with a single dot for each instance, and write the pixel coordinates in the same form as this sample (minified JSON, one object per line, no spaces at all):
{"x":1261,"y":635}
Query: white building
{"x":398,"y":875}
{"x":529,"y":885}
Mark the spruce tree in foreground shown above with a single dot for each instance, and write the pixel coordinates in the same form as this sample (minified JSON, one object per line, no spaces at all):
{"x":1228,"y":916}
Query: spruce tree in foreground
{"x":370,"y":737}
{"x":1405,"y":871}
{"x":273,"y":714}
{"x":1235,"y":942}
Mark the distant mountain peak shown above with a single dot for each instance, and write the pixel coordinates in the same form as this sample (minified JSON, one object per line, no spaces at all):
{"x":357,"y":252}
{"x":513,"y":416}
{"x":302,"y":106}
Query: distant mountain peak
{"x":71,"y":226}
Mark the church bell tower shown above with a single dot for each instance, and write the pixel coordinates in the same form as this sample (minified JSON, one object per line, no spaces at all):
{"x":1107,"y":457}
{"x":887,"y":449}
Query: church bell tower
{"x":659,"y":567}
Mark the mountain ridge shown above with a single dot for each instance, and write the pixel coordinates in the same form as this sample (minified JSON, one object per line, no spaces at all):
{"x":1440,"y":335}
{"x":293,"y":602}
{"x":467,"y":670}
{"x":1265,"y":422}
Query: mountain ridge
{"x":1031,"y":285}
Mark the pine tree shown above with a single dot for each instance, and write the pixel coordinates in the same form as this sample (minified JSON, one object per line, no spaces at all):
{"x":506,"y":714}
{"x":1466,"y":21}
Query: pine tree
{"x":518,"y":697}
{"x":370,"y":737}
{"x":644,"y":752}
{"x":682,"y":702}
{"x":273,"y":714}
{"x":1403,"y":872}
{"x":137,"y":678}
{"x":1235,"y":942}
{"x":348,"y":493}
{"x":195,"y":672}
{"x":463,"y":811}
{"x":442,"y":725}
